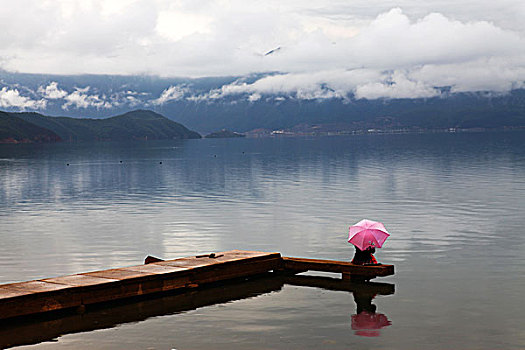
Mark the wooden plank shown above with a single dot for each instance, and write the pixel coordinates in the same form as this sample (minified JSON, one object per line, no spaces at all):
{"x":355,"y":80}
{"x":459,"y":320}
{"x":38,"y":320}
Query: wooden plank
{"x":136,"y":281}
{"x":337,"y":266}
{"x":155,"y":269}
{"x":188,"y":263}
{"x":119,"y":274}
{"x":32,"y":287}
{"x":222,"y":272}
{"x":181,"y":273}
{"x":9,"y":293}
{"x":26,"y":302}
{"x":100,"y":286}
{"x":79,"y":280}
{"x":25,"y":298}
{"x":229,"y":257}
{"x":245,"y":255}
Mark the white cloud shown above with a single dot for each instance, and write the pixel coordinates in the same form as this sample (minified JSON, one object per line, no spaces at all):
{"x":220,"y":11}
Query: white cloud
{"x":396,"y":86}
{"x":492,"y":74}
{"x":392,"y":40}
{"x":175,"y":25}
{"x":52,"y":91}
{"x":305,"y":86}
{"x":471,"y":45}
{"x":254,"y":97}
{"x":170,"y":94}
{"x":12,"y":98}
{"x":80,"y":99}
{"x":132,"y":101}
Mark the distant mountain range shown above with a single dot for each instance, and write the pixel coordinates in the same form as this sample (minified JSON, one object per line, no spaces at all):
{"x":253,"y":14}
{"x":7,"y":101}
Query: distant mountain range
{"x":463,"y":111}
{"x":240,"y":104}
{"x":135,"y":125}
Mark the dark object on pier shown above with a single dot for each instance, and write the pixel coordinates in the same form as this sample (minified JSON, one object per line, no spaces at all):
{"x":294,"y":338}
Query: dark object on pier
{"x":151,"y":259}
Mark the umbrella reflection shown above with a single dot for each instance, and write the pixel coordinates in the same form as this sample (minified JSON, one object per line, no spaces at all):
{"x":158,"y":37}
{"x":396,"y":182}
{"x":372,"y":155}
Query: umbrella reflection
{"x":367,"y":322}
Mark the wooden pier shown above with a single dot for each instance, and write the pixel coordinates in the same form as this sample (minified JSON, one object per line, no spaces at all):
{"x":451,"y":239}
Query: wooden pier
{"x":81,"y":290}
{"x":52,"y":325}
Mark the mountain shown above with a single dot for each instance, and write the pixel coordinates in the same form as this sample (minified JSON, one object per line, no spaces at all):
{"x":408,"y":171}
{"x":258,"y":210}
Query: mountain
{"x":134,"y":125}
{"x":465,"y":110}
{"x":16,"y":130}
{"x":224,"y":134}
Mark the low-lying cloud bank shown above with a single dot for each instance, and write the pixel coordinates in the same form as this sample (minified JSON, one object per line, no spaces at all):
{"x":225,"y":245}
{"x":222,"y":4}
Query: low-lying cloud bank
{"x":490,"y":75}
{"x":423,"y":82}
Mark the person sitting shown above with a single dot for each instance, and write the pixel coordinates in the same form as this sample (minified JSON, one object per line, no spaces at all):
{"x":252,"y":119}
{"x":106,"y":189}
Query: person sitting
{"x":364,"y":257}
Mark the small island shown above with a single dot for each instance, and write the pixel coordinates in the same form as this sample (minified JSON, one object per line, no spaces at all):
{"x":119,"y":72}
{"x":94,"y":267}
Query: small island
{"x":223,"y":134}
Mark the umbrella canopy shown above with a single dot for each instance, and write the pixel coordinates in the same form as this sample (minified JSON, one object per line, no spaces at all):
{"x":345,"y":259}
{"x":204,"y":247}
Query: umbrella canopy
{"x":367,"y":233}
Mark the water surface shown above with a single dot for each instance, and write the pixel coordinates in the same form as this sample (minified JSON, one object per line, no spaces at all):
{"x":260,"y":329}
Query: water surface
{"x":454,"y":203}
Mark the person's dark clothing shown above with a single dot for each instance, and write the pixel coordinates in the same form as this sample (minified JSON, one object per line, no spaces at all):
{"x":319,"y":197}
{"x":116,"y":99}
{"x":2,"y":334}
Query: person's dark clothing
{"x":364,"y":257}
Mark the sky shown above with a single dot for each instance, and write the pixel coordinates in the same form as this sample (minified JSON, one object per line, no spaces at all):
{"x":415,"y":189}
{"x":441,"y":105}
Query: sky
{"x":314,"y":49}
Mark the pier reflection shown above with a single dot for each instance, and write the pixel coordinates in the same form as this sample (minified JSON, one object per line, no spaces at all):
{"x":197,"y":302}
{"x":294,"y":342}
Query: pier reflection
{"x":48,"y":327}
{"x":366,"y":321}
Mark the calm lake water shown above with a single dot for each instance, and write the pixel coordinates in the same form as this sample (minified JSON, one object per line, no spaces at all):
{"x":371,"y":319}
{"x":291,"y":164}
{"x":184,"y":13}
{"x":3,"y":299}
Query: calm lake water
{"x":454,"y":204}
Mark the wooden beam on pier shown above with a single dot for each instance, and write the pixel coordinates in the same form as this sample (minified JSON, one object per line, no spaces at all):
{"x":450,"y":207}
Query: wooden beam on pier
{"x":347,"y":269}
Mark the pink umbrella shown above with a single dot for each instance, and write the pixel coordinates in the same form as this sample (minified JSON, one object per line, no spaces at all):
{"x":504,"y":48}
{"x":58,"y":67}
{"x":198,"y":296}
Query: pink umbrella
{"x":367,"y":233}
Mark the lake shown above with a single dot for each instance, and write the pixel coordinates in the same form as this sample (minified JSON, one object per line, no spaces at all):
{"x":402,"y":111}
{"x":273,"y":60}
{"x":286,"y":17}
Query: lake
{"x":454,"y":204}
